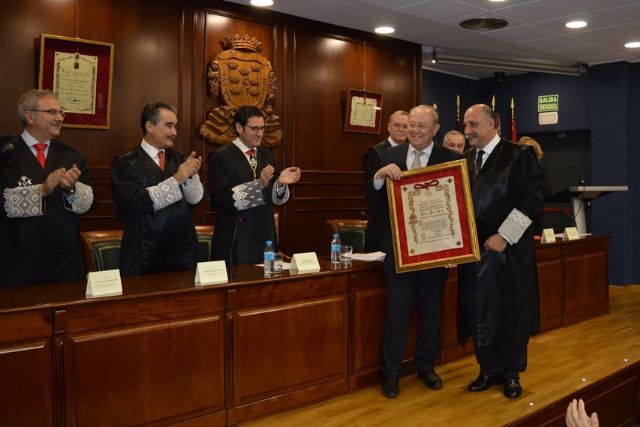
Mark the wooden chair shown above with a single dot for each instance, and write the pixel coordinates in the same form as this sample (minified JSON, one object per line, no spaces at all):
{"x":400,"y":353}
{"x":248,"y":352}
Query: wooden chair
{"x":101,"y":249}
{"x":205,"y":234}
{"x":351,"y":231}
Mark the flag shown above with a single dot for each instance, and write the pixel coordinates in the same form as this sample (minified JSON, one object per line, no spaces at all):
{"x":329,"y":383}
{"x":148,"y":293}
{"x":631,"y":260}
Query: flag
{"x":459,"y":126}
{"x":514,"y":133}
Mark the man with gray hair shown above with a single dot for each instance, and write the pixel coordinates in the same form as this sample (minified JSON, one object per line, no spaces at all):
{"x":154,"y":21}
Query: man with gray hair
{"x":454,"y":140}
{"x":44,"y":185}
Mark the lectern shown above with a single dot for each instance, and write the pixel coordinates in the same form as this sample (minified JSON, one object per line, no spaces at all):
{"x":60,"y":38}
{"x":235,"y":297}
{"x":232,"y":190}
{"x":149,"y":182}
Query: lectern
{"x":582,"y":193}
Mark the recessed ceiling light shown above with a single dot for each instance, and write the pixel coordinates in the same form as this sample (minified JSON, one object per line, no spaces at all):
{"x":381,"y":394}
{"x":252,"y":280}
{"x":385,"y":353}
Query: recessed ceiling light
{"x":576,"y":24}
{"x":632,"y":45}
{"x":497,"y":1}
{"x":262,"y":3}
{"x":385,"y":30}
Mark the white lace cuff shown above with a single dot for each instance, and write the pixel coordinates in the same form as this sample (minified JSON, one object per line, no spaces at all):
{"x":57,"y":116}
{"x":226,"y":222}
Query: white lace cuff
{"x":83,"y":198}
{"x":24,"y":201}
{"x":192,"y":190}
{"x":247,"y":195}
{"x":514,"y":226}
{"x":164,"y":194}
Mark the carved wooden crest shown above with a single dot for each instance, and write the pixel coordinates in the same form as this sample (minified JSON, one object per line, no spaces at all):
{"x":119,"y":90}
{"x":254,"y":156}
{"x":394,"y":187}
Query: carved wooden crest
{"x":241,"y":76}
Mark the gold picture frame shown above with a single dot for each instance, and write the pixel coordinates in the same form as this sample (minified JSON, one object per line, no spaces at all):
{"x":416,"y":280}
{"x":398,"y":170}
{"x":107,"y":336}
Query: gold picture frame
{"x":432,"y":217}
{"x":80,"y":73}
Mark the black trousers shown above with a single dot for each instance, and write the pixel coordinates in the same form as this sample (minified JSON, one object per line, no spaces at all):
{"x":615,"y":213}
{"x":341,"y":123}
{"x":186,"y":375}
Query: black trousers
{"x":425,"y":289}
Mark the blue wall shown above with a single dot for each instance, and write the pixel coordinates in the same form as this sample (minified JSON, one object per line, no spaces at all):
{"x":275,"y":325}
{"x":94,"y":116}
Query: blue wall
{"x":525,"y":88}
{"x":614,"y":161}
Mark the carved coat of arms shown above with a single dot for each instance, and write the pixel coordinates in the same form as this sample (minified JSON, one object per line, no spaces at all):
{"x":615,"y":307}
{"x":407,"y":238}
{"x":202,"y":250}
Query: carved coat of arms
{"x":241,"y":76}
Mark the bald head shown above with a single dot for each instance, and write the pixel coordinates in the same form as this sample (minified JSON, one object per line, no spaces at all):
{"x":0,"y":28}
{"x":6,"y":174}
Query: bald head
{"x":479,"y":125}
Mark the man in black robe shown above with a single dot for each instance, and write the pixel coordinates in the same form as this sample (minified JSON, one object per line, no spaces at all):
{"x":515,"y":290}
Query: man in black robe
{"x":44,"y":185}
{"x":372,"y":161}
{"x":244,"y":189}
{"x":498,"y":302}
{"x":153,"y":188}
{"x":422,"y":287}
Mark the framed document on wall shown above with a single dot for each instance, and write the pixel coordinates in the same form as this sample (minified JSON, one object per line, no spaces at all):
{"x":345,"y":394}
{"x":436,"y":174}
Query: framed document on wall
{"x":432,"y":217}
{"x":364,"y":112}
{"x":79,"y":72}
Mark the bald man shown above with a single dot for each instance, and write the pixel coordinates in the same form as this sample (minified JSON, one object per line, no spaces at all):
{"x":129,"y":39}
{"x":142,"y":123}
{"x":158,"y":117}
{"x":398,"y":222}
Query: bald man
{"x":498,"y":296}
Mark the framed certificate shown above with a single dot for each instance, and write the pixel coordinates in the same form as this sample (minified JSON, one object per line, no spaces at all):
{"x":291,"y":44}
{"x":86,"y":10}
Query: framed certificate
{"x":79,"y":72}
{"x":432,"y":217}
{"x":364,"y":112}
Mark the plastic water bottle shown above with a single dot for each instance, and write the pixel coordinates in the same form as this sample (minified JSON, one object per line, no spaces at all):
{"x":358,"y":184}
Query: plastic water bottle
{"x":335,"y":249}
{"x":269,"y":257}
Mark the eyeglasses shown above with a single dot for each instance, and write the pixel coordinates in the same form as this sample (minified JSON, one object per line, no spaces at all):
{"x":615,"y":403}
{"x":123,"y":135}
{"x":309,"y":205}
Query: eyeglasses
{"x":256,"y":128}
{"x":51,"y":111}
{"x":399,"y":125}
{"x":420,"y":126}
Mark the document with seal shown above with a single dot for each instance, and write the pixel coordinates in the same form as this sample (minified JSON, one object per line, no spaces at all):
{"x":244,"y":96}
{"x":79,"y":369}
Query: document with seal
{"x":432,"y":217}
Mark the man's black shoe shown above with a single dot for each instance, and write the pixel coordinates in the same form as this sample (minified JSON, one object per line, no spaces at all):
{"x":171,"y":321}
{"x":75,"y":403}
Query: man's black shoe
{"x":390,"y":387}
{"x":512,"y":387}
{"x":483,"y":382}
{"x":430,"y":379}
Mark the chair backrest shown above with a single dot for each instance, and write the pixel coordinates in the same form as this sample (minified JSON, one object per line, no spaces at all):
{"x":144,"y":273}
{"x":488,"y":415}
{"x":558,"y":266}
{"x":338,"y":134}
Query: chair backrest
{"x":352,"y":232}
{"x":205,"y":234}
{"x":101,"y":249}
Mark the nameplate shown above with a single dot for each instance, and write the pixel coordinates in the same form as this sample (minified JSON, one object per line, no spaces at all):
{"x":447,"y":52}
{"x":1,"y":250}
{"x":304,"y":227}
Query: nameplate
{"x":548,"y":236}
{"x":104,"y":283}
{"x":211,"y":273}
{"x":570,"y":233}
{"x":306,"y":262}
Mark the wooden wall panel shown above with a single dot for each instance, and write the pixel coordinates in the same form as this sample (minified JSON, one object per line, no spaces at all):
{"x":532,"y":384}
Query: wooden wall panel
{"x":162,"y":50}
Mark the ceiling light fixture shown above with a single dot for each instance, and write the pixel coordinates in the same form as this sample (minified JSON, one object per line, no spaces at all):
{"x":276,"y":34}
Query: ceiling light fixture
{"x":483,"y":24}
{"x":262,"y":3}
{"x":507,"y":64}
{"x":385,"y":30}
{"x":578,"y":23}
{"x":434,"y":57}
{"x":632,"y":45}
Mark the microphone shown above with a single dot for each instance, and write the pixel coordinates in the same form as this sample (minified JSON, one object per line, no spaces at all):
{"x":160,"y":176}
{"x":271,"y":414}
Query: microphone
{"x":233,"y":242}
{"x":577,"y":169}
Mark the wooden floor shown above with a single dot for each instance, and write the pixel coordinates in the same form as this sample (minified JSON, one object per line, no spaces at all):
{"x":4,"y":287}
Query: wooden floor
{"x":560,"y":362}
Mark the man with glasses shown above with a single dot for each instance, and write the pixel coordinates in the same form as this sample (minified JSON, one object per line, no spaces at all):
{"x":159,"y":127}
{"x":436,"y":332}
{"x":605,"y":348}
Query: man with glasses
{"x":244,"y":188}
{"x":154,"y":187}
{"x":422,"y":287}
{"x":44,"y":185}
{"x":397,"y":126}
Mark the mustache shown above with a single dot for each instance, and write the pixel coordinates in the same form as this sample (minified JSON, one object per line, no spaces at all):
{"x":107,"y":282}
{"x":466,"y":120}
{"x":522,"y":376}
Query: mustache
{"x":468,"y":136}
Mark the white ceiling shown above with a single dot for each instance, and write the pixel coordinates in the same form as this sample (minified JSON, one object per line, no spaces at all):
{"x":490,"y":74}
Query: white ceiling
{"x":536,"y":30}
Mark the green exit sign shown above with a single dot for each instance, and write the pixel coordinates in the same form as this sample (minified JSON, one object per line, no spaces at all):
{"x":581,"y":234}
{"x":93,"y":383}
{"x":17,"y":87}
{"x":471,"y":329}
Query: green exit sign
{"x":547,"y":103}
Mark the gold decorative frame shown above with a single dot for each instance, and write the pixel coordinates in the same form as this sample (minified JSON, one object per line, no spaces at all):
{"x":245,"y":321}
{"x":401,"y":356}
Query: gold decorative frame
{"x":100,"y":115}
{"x":439,"y":195}
{"x":372,"y":107}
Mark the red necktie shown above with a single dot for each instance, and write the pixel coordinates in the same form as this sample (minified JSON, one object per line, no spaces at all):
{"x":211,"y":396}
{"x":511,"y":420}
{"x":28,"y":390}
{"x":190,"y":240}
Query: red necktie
{"x":40,"y":155}
{"x":251,"y":152}
{"x":161,"y":160}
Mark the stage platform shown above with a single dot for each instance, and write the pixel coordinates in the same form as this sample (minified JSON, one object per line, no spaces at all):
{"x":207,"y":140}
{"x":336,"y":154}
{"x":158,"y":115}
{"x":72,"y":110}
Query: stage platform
{"x":597,"y":360}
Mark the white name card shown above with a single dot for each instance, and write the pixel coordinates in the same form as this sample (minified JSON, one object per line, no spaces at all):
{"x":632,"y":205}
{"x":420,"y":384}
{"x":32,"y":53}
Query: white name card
{"x":548,"y":236}
{"x":104,"y":283}
{"x":570,"y":233}
{"x":306,"y":262}
{"x":211,"y":273}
